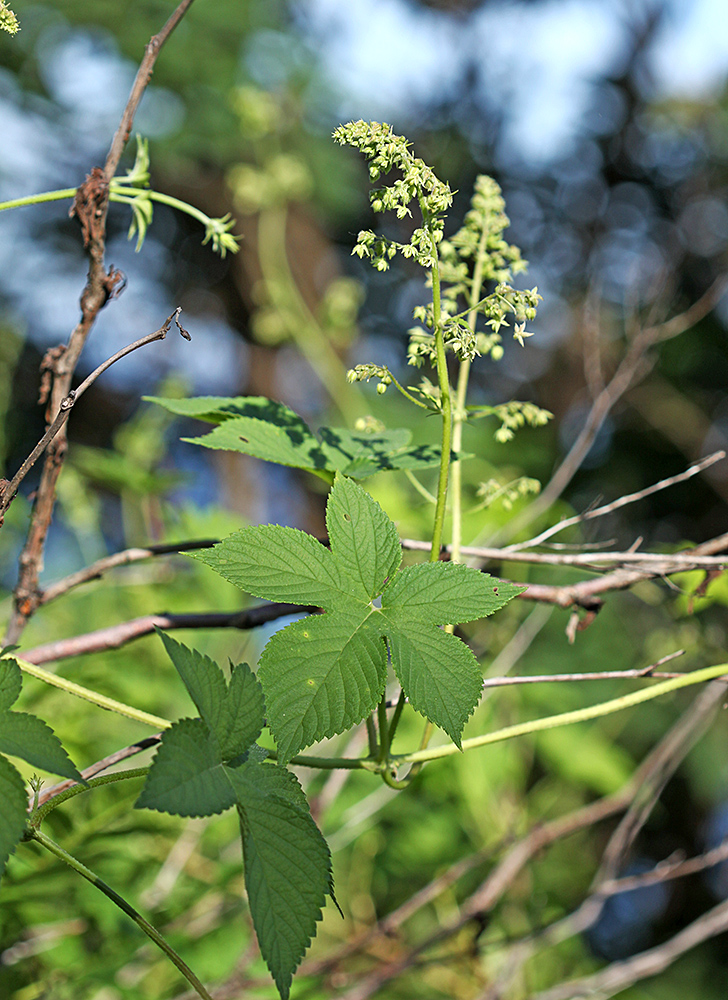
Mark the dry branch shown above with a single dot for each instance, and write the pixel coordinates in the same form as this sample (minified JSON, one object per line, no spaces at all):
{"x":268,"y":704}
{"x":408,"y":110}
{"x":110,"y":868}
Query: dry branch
{"x":91,"y":207}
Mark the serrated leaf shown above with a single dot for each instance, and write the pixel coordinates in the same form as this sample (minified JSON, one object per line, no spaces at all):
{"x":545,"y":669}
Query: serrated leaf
{"x":279,"y":564}
{"x":217,"y":409}
{"x":438,"y":672}
{"x":11,"y":682}
{"x":201,"y":676}
{"x":447,"y":593}
{"x":29,"y":738}
{"x":287,"y":866}
{"x":13,"y":813}
{"x":321,"y":676}
{"x":266,"y":429}
{"x":292,"y":446}
{"x":244,"y":715}
{"x":365,"y":541}
{"x":187,"y":777}
{"x":233,"y":712}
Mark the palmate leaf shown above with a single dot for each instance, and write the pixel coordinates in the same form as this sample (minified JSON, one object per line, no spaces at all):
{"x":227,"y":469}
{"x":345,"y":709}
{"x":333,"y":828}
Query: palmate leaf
{"x":232,"y":712}
{"x":266,"y":429}
{"x":287,"y":860}
{"x":325,"y":674}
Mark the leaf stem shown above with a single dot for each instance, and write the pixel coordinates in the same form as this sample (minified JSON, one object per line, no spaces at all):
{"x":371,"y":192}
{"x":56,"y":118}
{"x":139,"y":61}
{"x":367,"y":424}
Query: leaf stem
{"x":151,"y":932}
{"x":93,"y":696}
{"x":40,"y":813}
{"x":37,"y":199}
{"x":568,"y":718}
{"x":384,"y":736}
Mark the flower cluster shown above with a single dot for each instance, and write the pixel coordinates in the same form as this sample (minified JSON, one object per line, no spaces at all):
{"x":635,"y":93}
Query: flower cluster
{"x":385,"y":152}
{"x":477,"y":254}
{"x":8,"y":20}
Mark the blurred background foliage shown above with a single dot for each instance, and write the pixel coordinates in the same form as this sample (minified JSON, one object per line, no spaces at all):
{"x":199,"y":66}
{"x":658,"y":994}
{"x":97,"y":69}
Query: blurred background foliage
{"x":606,"y":125}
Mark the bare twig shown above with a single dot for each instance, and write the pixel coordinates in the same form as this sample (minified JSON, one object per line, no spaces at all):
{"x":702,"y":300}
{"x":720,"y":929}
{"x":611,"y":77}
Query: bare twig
{"x":633,"y":367}
{"x":619,"y":975}
{"x":602,"y":675}
{"x":141,"y":82}
{"x":667,"y":870}
{"x":679,"y":560}
{"x":91,"y":207}
{"x":124,"y":558}
{"x":69,"y":401}
{"x":101,"y":765}
{"x":118,"y":635}
{"x":588,"y":515}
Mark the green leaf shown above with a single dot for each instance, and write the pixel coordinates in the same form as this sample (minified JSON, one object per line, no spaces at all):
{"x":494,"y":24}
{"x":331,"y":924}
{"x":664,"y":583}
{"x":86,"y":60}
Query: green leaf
{"x":13,"y":814}
{"x":233,"y":713}
{"x":11,"y":681}
{"x":279,"y":564}
{"x":287,"y":865}
{"x":446,"y":593}
{"x":292,"y":446}
{"x":365,"y":541}
{"x":187,"y":777}
{"x":29,"y":738}
{"x":217,"y":409}
{"x":437,"y":671}
{"x":362,"y":453}
{"x":266,"y":429}
{"x":244,"y":716}
{"x":321,"y":676}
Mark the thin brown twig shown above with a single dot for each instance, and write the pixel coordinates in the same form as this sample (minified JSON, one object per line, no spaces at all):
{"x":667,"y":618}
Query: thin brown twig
{"x":92,"y":770}
{"x":602,"y":675}
{"x":69,"y":401}
{"x":91,"y":207}
{"x":619,"y":975}
{"x":141,"y":82}
{"x":118,"y":635}
{"x":633,"y":367}
{"x":124,"y":558}
{"x":622,"y":501}
{"x":670,"y":868}
{"x":679,"y":560}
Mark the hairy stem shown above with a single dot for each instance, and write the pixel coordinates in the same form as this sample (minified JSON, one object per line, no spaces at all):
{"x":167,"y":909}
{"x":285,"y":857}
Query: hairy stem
{"x":446,"y":410}
{"x":151,"y":932}
{"x":567,"y":718}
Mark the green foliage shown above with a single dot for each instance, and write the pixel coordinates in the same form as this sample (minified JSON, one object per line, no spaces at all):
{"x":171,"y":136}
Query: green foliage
{"x":208,"y":764}
{"x":265,"y":429}
{"x":29,"y":738}
{"x":323,"y":675}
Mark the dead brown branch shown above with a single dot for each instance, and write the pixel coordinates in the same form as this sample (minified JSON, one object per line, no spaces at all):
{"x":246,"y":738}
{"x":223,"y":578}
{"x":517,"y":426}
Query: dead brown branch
{"x":91,"y":206}
{"x":124,"y":558}
{"x":118,"y":635}
{"x":69,"y":401}
{"x":634,"y":366}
